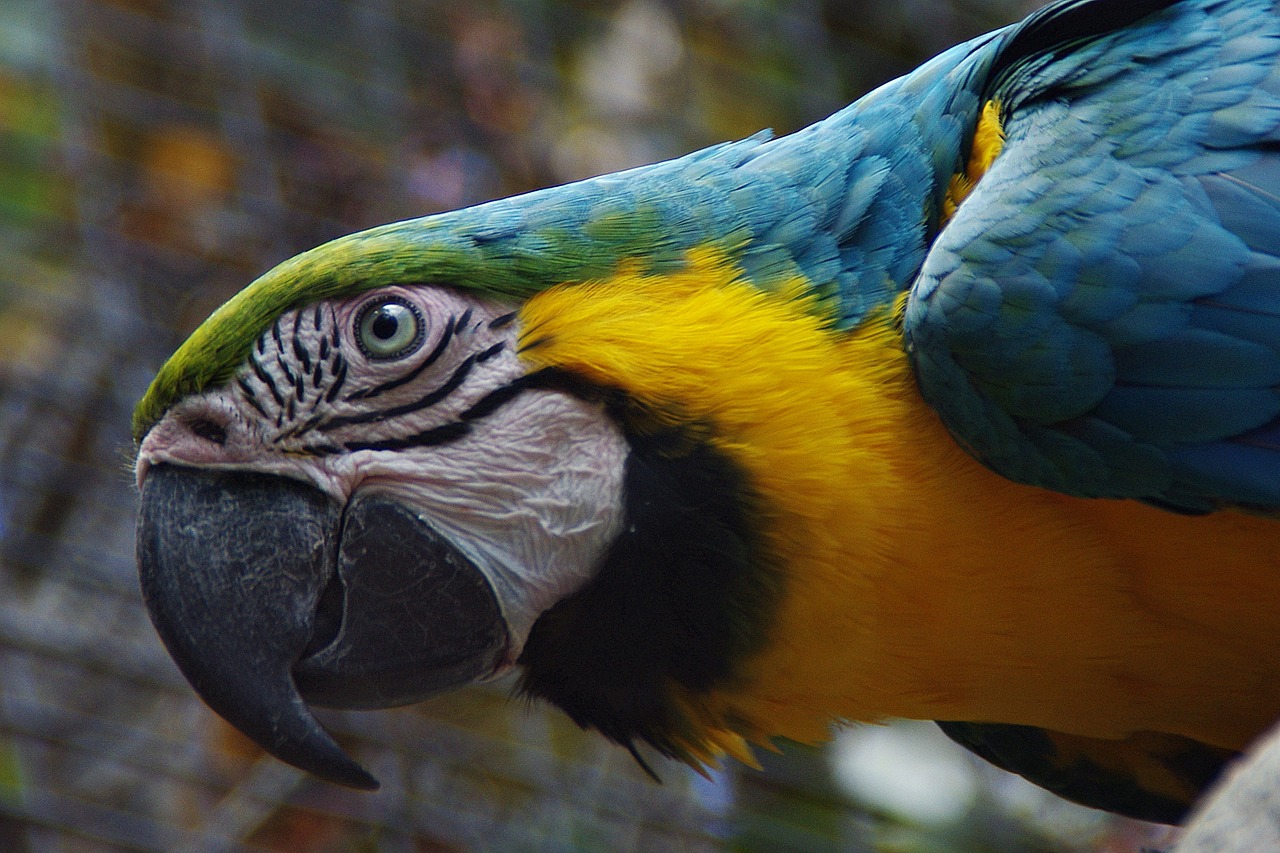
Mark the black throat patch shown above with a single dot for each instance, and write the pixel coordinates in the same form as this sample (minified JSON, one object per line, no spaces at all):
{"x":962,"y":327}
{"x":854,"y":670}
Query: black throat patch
{"x":684,"y":594}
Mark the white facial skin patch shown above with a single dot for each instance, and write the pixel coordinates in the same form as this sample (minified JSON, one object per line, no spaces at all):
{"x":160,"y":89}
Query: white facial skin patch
{"x":408,"y":391}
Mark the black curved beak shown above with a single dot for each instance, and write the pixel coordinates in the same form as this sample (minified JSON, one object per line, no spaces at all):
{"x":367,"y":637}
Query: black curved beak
{"x":269,"y":595}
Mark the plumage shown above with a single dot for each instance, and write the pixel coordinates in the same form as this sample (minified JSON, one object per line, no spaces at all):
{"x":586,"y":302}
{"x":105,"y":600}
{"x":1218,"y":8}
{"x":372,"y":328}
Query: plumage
{"x":1143,"y":189}
{"x":961,"y":404}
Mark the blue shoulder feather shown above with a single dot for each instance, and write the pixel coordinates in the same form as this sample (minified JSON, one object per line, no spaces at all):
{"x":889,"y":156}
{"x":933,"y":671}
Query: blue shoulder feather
{"x":1102,"y":315}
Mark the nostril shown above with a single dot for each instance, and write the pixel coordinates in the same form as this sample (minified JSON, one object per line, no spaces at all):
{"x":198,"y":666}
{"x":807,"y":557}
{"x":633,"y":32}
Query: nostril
{"x":208,"y":430}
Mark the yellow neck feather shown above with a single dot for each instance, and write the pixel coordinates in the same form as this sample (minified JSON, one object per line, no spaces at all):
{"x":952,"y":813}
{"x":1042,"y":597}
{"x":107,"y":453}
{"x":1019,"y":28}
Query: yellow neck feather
{"x":988,"y":142}
{"x":918,"y":583}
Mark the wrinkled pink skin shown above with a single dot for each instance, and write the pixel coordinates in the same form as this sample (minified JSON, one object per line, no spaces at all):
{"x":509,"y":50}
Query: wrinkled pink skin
{"x":532,"y":495}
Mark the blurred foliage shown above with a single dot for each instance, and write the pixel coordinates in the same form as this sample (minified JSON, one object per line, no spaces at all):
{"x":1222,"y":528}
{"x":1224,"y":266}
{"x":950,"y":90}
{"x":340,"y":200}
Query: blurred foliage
{"x":155,"y":155}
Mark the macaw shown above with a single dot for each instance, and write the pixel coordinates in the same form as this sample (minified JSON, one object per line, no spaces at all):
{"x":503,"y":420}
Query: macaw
{"x":962,"y":404}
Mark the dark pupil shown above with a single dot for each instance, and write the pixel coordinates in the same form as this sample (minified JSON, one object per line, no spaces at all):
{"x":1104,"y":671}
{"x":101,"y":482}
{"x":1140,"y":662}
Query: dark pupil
{"x":384,"y":325}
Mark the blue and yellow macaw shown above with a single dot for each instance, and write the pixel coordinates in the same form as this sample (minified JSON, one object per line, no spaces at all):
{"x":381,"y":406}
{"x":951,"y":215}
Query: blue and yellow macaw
{"x":962,"y":404}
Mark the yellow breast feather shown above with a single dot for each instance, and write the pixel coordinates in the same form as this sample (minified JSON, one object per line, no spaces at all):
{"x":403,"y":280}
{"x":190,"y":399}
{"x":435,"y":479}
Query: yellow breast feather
{"x":917,"y":582}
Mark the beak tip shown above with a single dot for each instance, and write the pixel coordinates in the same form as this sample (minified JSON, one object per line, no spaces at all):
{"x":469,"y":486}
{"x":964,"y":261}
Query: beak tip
{"x":355,"y":776}
{"x":297,"y":738}
{"x":321,"y":756}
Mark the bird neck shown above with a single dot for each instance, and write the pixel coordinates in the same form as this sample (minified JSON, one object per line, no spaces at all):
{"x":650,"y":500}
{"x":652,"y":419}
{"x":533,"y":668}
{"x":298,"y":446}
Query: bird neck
{"x":916,"y":582}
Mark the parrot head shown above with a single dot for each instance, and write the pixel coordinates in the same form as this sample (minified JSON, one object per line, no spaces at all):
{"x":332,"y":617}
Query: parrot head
{"x":368,"y":479}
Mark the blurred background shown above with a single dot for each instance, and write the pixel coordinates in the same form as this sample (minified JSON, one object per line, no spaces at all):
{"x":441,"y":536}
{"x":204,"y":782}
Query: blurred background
{"x":155,"y":155}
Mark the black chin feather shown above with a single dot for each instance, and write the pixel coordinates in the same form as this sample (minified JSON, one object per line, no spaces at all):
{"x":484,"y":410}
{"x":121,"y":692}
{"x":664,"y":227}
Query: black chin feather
{"x":682,"y":597}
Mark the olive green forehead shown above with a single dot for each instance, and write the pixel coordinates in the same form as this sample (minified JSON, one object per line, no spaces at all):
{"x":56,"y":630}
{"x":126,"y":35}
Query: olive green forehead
{"x":399,"y":253}
{"x":513,"y":264}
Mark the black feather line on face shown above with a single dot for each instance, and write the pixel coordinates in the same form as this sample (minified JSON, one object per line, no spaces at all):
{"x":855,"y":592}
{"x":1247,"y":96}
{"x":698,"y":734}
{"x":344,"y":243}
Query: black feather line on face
{"x":265,"y":378}
{"x":504,"y":320}
{"x":434,"y":437}
{"x":300,"y":351}
{"x":684,"y":595}
{"x":250,"y":397}
{"x":289,"y":375}
{"x":426,"y":401}
{"x":339,"y":377}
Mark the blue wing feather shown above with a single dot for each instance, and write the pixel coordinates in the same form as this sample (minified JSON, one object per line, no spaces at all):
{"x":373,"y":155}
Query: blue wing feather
{"x":1102,"y":315}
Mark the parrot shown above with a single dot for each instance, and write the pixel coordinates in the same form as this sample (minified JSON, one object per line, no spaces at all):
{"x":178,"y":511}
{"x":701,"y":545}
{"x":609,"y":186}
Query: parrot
{"x":961,"y":404}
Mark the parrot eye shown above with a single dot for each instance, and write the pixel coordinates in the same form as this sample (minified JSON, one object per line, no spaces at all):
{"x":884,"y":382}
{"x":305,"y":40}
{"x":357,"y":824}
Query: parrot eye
{"x":389,"y":328}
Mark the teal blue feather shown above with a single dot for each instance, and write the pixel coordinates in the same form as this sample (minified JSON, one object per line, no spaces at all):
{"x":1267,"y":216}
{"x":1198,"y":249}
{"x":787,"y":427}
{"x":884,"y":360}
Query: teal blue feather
{"x":1102,"y":314}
